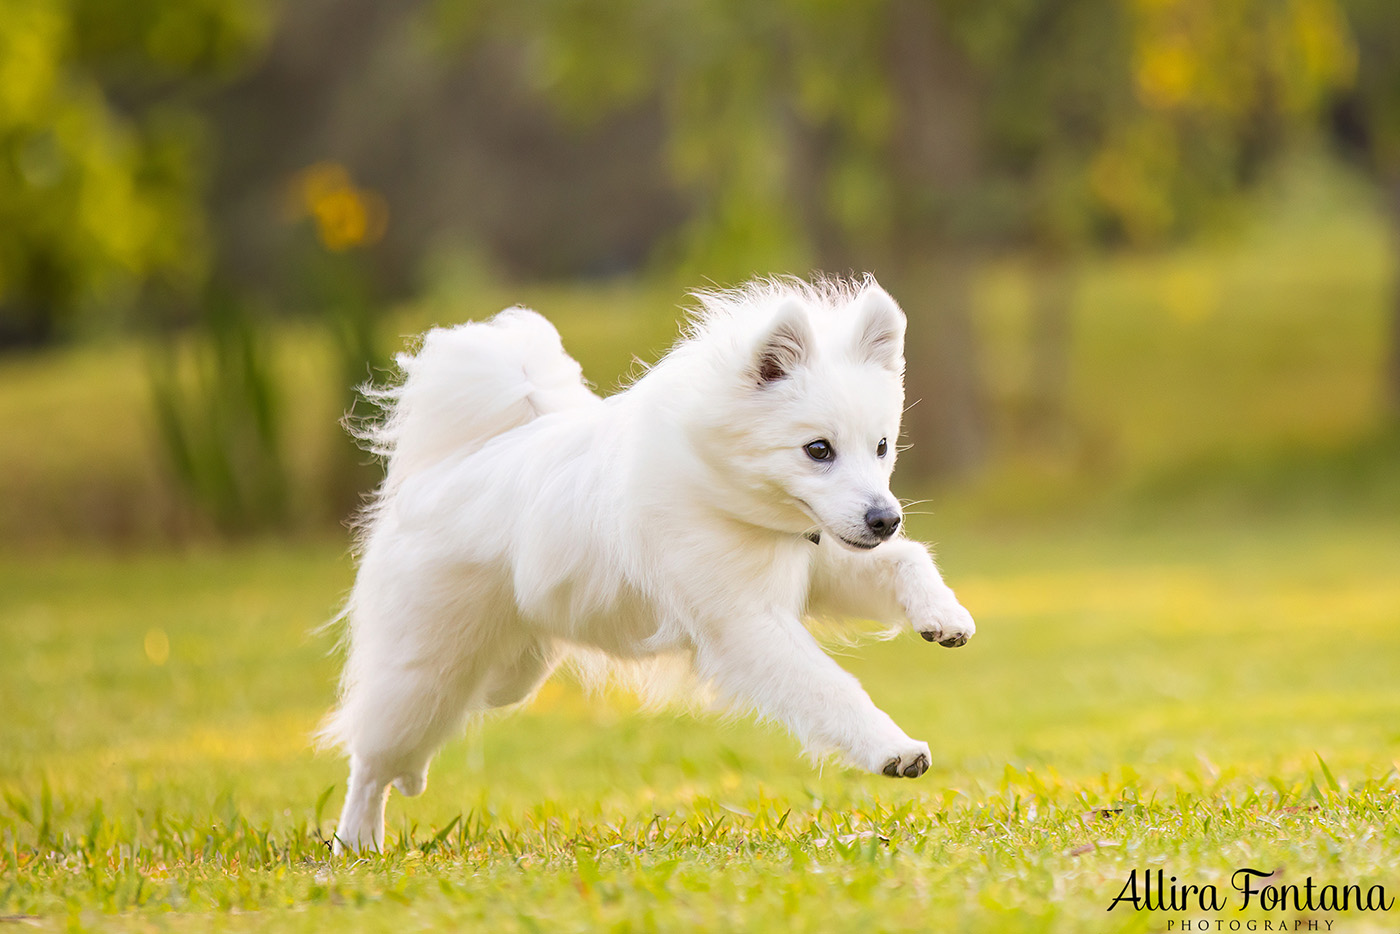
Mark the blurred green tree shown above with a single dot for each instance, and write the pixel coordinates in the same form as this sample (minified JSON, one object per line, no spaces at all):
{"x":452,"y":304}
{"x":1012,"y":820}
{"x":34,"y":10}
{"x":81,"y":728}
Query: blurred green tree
{"x":914,"y":138}
{"x":101,"y":151}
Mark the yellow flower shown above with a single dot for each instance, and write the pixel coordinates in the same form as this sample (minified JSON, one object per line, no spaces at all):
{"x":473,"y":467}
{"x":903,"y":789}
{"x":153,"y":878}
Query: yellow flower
{"x":345,"y":215}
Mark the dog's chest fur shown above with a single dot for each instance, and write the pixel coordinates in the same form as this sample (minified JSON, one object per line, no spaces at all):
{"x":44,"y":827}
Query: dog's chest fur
{"x":711,"y":580}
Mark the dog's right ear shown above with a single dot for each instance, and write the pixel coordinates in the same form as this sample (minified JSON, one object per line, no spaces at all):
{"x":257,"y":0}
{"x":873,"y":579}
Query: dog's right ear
{"x":879,"y":328}
{"x":786,"y":345}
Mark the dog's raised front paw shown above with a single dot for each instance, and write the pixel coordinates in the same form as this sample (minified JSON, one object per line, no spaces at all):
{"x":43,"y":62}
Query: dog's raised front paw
{"x":947,"y":624}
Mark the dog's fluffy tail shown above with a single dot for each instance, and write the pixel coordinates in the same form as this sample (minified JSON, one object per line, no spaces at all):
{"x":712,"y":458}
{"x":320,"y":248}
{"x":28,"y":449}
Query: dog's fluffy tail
{"x":467,"y":384}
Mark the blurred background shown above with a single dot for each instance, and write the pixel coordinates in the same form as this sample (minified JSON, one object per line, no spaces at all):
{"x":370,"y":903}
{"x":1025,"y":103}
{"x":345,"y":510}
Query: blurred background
{"x":1147,"y":247}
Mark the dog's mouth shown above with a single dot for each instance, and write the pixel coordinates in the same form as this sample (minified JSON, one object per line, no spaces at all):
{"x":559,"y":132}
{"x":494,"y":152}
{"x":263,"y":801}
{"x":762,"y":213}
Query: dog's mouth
{"x":814,"y":535}
{"x":861,"y":546}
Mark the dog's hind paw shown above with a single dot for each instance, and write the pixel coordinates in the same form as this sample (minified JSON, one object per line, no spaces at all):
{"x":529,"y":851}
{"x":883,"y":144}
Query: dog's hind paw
{"x":909,"y":764}
{"x":895,"y":767}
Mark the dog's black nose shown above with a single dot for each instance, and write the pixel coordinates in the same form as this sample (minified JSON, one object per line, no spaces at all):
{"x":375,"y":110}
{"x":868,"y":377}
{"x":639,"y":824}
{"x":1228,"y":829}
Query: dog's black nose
{"x":882,"y":521}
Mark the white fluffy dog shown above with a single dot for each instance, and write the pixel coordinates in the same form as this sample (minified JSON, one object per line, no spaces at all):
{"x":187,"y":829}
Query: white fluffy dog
{"x":740,"y":485}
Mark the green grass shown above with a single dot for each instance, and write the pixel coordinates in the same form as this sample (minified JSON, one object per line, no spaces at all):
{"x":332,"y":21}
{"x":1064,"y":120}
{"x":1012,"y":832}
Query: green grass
{"x":1136,"y":698}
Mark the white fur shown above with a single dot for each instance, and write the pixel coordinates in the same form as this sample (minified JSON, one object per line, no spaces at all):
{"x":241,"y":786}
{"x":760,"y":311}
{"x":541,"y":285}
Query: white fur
{"x":523,"y":518}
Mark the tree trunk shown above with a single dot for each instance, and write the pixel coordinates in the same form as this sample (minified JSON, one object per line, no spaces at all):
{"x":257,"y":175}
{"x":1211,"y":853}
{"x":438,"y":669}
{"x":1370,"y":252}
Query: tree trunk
{"x":945,"y":421}
{"x":26,"y":324}
{"x":936,"y":165}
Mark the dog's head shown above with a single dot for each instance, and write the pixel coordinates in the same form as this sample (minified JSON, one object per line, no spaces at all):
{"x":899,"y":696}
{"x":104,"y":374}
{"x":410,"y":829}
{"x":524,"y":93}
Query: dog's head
{"x":815,"y":409}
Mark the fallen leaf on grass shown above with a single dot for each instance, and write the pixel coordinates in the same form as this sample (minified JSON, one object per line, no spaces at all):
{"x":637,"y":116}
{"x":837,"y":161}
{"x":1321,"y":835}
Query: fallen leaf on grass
{"x":1103,"y":812}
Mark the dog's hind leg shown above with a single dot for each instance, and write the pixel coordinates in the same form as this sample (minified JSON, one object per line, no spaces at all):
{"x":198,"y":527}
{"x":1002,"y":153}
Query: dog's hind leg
{"x":362,"y":820}
{"x":392,"y":722}
{"x":508,"y":682}
{"x":512,"y":682}
{"x":395,"y":718}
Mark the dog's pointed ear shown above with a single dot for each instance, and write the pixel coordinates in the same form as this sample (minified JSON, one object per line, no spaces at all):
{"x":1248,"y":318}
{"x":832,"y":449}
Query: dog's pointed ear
{"x":786,"y":345}
{"x":879,"y":328}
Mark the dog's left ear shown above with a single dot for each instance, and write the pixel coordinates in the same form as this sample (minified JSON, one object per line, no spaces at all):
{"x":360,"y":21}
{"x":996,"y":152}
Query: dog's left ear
{"x":879,"y":328}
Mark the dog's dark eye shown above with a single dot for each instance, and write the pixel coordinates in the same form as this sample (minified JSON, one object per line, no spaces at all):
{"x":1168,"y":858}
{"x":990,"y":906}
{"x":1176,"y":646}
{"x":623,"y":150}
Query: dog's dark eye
{"x":882,"y":448}
{"x":820,"y":450}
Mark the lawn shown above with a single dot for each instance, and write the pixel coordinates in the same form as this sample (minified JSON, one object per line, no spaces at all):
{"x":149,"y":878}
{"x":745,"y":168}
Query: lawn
{"x":1188,"y":696}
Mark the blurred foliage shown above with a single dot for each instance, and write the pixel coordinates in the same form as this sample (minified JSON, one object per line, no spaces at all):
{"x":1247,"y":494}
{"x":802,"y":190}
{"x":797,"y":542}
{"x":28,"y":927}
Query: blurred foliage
{"x":223,"y":434}
{"x":805,"y":131}
{"x":1216,"y":85}
{"x":1077,"y":119}
{"x":102,"y":150}
{"x":341,"y":287}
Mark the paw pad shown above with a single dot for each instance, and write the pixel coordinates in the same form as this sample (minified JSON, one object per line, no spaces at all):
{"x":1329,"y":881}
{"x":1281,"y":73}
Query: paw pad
{"x":913,"y":770}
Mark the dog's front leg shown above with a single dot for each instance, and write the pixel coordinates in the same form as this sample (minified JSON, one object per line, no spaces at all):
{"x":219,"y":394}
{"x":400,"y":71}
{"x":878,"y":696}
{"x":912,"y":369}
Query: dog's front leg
{"x":932,"y":608}
{"x":897,"y":583}
{"x":772,"y":663}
